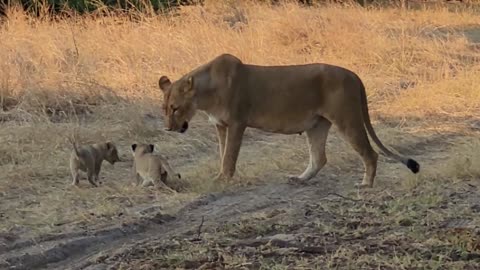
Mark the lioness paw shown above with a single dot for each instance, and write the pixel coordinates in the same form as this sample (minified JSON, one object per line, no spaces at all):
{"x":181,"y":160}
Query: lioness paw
{"x":222,"y":178}
{"x":295,"y":180}
{"x":363,"y":186}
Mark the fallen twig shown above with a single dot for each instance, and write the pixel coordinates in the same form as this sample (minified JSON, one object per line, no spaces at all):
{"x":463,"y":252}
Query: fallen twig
{"x":281,"y":244}
{"x":343,"y":197}
{"x":199,"y":230}
{"x":200,"y":227}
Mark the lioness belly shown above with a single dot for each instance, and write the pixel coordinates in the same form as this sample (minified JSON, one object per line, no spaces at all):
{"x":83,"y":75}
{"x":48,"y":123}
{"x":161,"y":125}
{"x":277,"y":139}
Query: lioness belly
{"x":290,"y":125}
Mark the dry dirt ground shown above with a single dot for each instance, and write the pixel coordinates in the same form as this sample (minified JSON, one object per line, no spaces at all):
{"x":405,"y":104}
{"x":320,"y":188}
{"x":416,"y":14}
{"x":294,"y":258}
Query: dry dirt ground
{"x":98,"y":77}
{"x":263,"y":222}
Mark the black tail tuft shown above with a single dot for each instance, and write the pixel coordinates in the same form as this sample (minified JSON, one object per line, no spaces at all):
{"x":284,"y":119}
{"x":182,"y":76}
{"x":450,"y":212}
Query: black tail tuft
{"x":413,"y":165}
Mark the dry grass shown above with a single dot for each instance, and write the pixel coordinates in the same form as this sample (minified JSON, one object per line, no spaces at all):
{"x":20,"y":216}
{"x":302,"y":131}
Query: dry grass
{"x":100,"y":75}
{"x":53,"y":63}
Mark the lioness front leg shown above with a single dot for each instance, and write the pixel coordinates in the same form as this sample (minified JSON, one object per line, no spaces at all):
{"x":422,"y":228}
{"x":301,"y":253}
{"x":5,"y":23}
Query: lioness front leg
{"x":316,"y":139}
{"x":221,"y":134}
{"x":232,"y":149}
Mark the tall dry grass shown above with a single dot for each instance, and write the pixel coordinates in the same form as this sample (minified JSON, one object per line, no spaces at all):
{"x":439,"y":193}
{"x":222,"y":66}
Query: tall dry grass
{"x":414,"y":63}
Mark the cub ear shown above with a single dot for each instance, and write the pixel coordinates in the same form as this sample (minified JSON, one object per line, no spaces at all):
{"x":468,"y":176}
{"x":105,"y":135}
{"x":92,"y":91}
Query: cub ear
{"x":164,"y":82}
{"x":109,"y":145}
{"x":134,"y":146}
{"x":151,"y":147}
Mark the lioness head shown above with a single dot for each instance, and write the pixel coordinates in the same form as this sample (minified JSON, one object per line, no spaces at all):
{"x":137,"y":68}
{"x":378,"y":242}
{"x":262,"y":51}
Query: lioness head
{"x":111,"y":153}
{"x":178,"y":104}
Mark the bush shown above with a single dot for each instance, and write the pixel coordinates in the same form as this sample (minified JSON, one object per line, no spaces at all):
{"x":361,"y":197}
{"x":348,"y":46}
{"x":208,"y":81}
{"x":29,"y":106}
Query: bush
{"x":38,"y":7}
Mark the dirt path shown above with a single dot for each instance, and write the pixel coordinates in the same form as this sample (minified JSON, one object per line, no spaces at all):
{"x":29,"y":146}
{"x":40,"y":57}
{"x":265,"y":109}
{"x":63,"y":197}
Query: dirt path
{"x":79,"y":250}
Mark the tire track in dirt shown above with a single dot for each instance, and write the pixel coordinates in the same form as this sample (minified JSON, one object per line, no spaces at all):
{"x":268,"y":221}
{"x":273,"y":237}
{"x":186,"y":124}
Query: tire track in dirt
{"x":215,"y":209}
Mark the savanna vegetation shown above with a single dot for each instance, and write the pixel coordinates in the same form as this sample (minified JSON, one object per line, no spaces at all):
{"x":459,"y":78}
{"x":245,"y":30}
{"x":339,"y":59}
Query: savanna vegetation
{"x":97,"y":76}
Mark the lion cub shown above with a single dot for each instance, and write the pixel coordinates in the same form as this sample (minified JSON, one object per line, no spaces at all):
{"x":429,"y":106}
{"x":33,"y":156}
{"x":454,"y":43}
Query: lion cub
{"x":152,"y":168}
{"x":89,"y":158}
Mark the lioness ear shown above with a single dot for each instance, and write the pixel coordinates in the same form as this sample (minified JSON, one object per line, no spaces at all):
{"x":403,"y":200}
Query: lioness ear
{"x":134,"y":146}
{"x":151,"y":147}
{"x":190,"y":82}
{"x":189,"y":85}
{"x":164,"y":83}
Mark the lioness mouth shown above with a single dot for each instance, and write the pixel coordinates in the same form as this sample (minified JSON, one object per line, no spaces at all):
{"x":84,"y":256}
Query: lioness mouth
{"x":184,"y":127}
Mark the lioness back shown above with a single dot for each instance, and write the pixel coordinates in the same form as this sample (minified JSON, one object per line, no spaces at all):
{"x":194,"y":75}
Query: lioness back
{"x":289,"y":99}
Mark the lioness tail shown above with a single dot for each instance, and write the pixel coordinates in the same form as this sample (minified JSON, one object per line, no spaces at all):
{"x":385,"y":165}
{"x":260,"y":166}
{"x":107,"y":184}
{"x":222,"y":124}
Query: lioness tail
{"x":409,"y":162}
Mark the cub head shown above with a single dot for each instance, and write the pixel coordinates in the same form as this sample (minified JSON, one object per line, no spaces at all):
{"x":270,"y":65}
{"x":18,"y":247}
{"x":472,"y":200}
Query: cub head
{"x":178,"y":102}
{"x":112,"y":153}
{"x":164,"y":176}
{"x":142,"y":148}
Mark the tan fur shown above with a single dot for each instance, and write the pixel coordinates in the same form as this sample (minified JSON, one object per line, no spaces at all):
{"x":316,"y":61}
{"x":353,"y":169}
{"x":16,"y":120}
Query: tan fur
{"x":89,"y":158}
{"x":280,"y":99}
{"x":152,"y":168}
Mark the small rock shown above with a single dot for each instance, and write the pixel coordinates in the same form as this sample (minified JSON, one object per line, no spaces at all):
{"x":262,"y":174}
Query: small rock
{"x":407,"y":84}
{"x":353,"y":225}
{"x":475,"y":208}
{"x":283,"y":237}
{"x":97,"y":267}
{"x":405,"y":222}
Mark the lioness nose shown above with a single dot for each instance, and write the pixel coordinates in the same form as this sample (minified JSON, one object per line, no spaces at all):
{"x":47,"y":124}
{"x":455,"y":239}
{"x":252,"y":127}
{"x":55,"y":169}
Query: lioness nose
{"x":184,"y":127}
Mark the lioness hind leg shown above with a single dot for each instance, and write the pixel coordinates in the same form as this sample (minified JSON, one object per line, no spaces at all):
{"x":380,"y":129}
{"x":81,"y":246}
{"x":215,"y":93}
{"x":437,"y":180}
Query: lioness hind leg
{"x":316,"y":139}
{"x":356,"y":135}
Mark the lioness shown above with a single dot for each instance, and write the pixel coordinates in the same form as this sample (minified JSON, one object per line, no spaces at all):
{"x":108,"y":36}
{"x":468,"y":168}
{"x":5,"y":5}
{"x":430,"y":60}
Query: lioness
{"x":89,"y":158}
{"x":280,"y":99}
{"x":152,"y":168}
